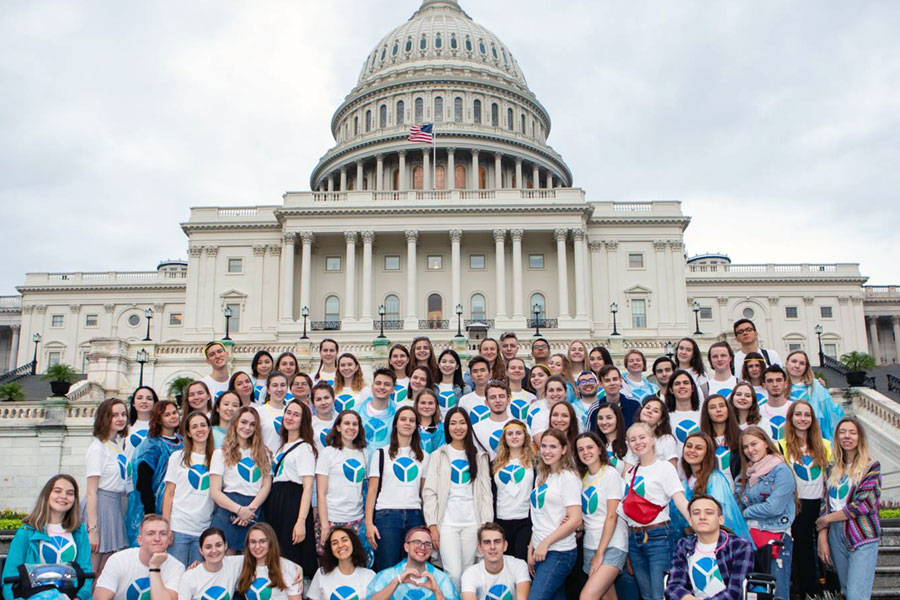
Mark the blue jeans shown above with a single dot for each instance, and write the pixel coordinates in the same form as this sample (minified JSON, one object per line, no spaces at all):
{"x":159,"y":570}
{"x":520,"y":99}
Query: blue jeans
{"x":651,"y":559}
{"x":186,"y":548}
{"x":780,"y":568}
{"x":626,"y":586}
{"x":550,"y":575}
{"x":855,"y":568}
{"x":392,"y":525}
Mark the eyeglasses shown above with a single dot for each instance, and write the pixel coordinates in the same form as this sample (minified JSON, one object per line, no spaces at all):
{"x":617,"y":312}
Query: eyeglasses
{"x":743,"y":331}
{"x":587,"y":381}
{"x":421,"y":544}
{"x":540,"y":346}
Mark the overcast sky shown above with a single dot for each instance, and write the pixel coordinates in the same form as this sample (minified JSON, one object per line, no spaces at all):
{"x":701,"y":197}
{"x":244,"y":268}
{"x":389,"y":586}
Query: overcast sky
{"x":777,"y":124}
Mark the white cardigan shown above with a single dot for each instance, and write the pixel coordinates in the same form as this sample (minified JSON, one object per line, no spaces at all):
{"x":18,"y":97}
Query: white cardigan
{"x":437,"y":488}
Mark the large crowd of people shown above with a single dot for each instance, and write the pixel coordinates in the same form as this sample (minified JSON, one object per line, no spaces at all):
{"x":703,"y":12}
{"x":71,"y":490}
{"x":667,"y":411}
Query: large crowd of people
{"x":504,"y":478}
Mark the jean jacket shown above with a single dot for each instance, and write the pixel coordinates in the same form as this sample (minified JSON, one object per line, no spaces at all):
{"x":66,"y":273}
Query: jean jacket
{"x":770,"y":501}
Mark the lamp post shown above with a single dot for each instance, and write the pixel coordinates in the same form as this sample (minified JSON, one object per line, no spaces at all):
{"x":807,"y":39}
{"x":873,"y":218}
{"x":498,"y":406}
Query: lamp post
{"x":614,"y":308}
{"x":148,"y":314}
{"x":37,"y":340}
{"x":381,"y":314}
{"x":304,"y":312}
{"x":696,"y":308}
{"x":819,"y":329}
{"x":537,"y":319}
{"x":670,"y":349}
{"x":459,"y":311}
{"x":142,"y":358}
{"x":228,"y":314}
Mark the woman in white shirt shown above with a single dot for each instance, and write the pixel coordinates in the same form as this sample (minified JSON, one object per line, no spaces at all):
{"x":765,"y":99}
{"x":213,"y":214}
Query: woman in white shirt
{"x":513,"y":478}
{"x":398,"y":362}
{"x":196,"y":397}
{"x":611,"y":431}
{"x":634,"y":384}
{"x":324,"y":414}
{"x":186,"y":502}
{"x":286,"y":364}
{"x":431,"y":428}
{"x":689,"y":358}
{"x":349,"y":384}
{"x":394,"y":500}
{"x":722,"y":379}
{"x":241,"y":384}
{"x":260,"y":367}
{"x":343,"y":566}
{"x":288,"y":507}
{"x":655,"y":414}
{"x":223,"y":414}
{"x":683,"y":402}
{"x":605,"y":535}
{"x":105,"y":468}
{"x":240,"y":478}
{"x":300,"y":388}
{"x":217,"y":573}
{"x":142,"y":401}
{"x":450,"y":384}
{"x":271,"y":413}
{"x":420,"y":379}
{"x":717,"y":420}
{"x":752,"y":372}
{"x":744,"y":403}
{"x":264,"y":573}
{"x":327,"y":371}
{"x":520,"y":398}
{"x":555,"y":515}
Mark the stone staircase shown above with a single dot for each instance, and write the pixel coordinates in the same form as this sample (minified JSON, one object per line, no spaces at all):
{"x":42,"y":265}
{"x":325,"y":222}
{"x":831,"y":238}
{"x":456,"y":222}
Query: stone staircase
{"x":887,"y":571}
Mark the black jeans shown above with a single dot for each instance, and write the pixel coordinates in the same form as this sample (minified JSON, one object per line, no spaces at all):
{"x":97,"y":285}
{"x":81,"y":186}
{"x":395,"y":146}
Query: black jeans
{"x":518,"y":536}
{"x":805,"y":569}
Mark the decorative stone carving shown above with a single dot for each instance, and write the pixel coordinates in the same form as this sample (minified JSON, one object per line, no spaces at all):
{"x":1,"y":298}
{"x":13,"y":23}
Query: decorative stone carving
{"x":158,"y":308}
{"x":578,"y":235}
{"x":856,"y":299}
{"x":109,"y":307}
{"x":40,"y":308}
{"x":195,"y":250}
{"x":274,"y":250}
{"x":350,"y":237}
{"x":211,"y":250}
{"x":675,"y":245}
{"x":773,"y":300}
{"x":660,"y":245}
{"x":412,"y":236}
{"x":368,"y":237}
{"x":560,"y":234}
{"x":843,"y":300}
{"x":611,"y":245}
{"x":456,"y":235}
{"x":499,"y":235}
{"x":307,"y":237}
{"x":74,"y":308}
{"x":722,"y":300}
{"x":807,"y":300}
{"x":516,"y":235}
{"x":259,"y":250}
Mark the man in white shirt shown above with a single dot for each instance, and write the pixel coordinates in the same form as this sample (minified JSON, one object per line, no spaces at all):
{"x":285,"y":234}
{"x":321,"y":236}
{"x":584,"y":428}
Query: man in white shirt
{"x":498,"y":575}
{"x":480,"y":370}
{"x":488,"y":431}
{"x":377,"y":413}
{"x":217,"y":358}
{"x":778,"y":389}
{"x":133,"y":572}
{"x":747,"y":336}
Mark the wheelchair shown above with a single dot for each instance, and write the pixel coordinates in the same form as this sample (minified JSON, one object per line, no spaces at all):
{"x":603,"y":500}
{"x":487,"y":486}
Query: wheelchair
{"x":48,"y":582}
{"x":758,"y":585}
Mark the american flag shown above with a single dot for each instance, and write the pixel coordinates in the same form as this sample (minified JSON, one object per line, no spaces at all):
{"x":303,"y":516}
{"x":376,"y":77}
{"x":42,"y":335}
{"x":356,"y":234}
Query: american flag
{"x":422,"y":133}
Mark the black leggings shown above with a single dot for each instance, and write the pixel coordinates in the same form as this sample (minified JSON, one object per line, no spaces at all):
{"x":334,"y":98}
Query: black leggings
{"x":805,"y":570}
{"x":518,"y":536}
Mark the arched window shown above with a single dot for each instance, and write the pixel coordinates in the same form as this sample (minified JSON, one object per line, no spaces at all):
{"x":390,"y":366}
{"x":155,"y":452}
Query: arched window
{"x":438,"y":42}
{"x":423,"y":43}
{"x":440,"y":176}
{"x":420,"y":110}
{"x":482,"y":179}
{"x":495,"y":115}
{"x":418,"y":178}
{"x":435,"y":307}
{"x":438,"y":109}
{"x":355,"y":125}
{"x":468,"y":43}
{"x":453,"y":42}
{"x":476,"y":308}
{"x":509,"y":119}
{"x":401,"y":112}
{"x":396,"y":48}
{"x":537,"y":300}
{"x":332,"y":309}
{"x":391,"y":308}
{"x":408,"y":45}
{"x":476,"y":110}
{"x":382,"y":117}
{"x":368,"y":121}
{"x":459,"y":182}
{"x":457,"y":110}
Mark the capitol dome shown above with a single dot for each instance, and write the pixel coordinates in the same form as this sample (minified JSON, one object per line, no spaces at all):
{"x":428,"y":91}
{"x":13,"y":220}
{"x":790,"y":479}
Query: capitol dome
{"x":440,"y":67}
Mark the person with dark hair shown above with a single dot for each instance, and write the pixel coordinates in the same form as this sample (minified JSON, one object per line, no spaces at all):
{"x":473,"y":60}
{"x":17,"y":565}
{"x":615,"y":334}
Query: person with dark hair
{"x":399,"y":362}
{"x":722,"y":380}
{"x":451,"y":387}
{"x":775,"y":410}
{"x":752,"y":372}
{"x":457,"y":499}
{"x":712,"y":563}
{"x":349,"y":384}
{"x":414,"y":576}
{"x":540,"y":351}
{"x":683,"y":402}
{"x":422,"y":352}
{"x":610,"y":428}
{"x":718,"y":421}
{"x":196,"y":397}
{"x":509,"y":345}
{"x":264,"y":572}
{"x":520,"y":397}
{"x":343,"y":566}
{"x":746,"y":335}
{"x":475,"y":401}
{"x":634,"y":384}
{"x":242,"y":385}
{"x":142,"y":401}
{"x":611,"y":381}
{"x":655,"y":414}
{"x":598,"y":358}
{"x":377,"y":413}
{"x":805,"y":386}
{"x":260,"y":366}
{"x":52,"y":533}
{"x":431,"y":427}
{"x":217,"y":571}
{"x":323,"y":412}
{"x":488,"y":431}
{"x":587,"y":391}
{"x":272,"y":412}
{"x":328,"y":353}
{"x":663,"y":368}
{"x":287,"y":364}
{"x":300,"y":388}
{"x":223,"y":413}
{"x":498,"y":575}
{"x":743,"y":401}
{"x":419,"y":380}
{"x":217,"y":358}
{"x":688,"y":358}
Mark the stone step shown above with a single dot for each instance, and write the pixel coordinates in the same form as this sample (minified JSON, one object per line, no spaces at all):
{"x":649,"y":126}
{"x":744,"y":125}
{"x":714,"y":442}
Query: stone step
{"x":887,"y":577}
{"x":893,"y":593}
{"x":890,"y":537}
{"x":889,"y":556}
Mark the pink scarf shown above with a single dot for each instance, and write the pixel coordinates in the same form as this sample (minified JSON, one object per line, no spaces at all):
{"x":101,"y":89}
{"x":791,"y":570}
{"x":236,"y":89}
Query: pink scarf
{"x":761,"y":468}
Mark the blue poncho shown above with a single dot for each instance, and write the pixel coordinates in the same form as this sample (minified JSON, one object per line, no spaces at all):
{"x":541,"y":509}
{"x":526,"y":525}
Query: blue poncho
{"x":155,"y":451}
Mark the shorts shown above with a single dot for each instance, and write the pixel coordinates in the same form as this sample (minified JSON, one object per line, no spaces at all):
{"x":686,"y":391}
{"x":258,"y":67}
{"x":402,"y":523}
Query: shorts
{"x":614,"y":557}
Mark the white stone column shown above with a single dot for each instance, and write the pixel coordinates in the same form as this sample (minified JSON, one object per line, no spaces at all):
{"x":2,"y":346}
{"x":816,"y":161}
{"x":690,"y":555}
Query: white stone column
{"x":895,"y":322}
{"x":562,"y":273}
{"x":474,"y":178}
{"x":412,"y":295}
{"x":536,"y":177}
{"x":287,"y":276}
{"x":13,"y":347}
{"x":359,"y":176}
{"x":451,"y":171}
{"x":343,"y":179}
{"x":456,"y":267}
{"x":518,"y":289}
{"x":679,"y":285}
{"x":401,"y":175}
{"x":305,"y":267}
{"x":601,"y":293}
{"x":379,"y":172}
{"x":580,"y":275}
{"x":331,"y":182}
{"x":426,"y":169}
{"x":350,"y":277}
{"x":500,"y":268}
{"x":498,"y":171}
{"x":873,"y":338}
{"x":368,"y":238}
{"x":660,"y":248}
{"x":549,"y":180}
{"x":519,"y":183}
{"x":612,"y":272}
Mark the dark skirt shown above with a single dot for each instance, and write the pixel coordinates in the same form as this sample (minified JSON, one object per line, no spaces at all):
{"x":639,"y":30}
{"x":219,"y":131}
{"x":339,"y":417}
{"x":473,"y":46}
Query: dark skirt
{"x":282,"y":508}
{"x":234,"y":534}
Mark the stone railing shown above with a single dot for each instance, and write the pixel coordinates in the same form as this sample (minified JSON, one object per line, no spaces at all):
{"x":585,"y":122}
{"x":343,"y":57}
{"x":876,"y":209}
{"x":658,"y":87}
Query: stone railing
{"x":443,"y":197}
{"x":882,"y":292}
{"x":37,"y":411}
{"x":111,"y":277}
{"x":873,"y":403}
{"x":776,"y":270}
{"x":86,"y":390}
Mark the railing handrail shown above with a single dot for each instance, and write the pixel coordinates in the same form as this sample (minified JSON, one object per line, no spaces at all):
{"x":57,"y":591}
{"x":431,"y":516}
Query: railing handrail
{"x":893,"y":383}
{"x":835,"y":365}
{"x":17,"y":373}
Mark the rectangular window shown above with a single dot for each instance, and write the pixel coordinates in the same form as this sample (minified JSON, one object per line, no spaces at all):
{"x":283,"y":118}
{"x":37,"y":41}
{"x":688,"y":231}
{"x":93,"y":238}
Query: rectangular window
{"x":176,"y":319}
{"x":825,"y":312}
{"x":638,"y":314}
{"x":635,"y":260}
{"x":235,"y":265}
{"x":435,"y":262}
{"x":332,"y":263}
{"x":391,"y":263}
{"x":476,"y":262}
{"x":91,"y":320}
{"x":793,"y":347}
{"x":830,"y":349}
{"x":235,"y":321}
{"x":53,"y":358}
{"x":706,"y":312}
{"x":57,"y":321}
{"x":535,"y":261}
{"x":791,"y":312}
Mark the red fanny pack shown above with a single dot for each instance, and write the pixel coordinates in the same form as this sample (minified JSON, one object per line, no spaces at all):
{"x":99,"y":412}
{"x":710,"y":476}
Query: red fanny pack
{"x":762,"y":538}
{"x":637,"y":508}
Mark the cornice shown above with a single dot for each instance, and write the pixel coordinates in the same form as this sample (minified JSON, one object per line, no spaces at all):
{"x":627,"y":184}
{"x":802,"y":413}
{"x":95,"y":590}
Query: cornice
{"x":649,"y":220}
{"x":23,"y":289}
{"x":331,"y":209}
{"x":780,"y":279}
{"x":190,"y":227}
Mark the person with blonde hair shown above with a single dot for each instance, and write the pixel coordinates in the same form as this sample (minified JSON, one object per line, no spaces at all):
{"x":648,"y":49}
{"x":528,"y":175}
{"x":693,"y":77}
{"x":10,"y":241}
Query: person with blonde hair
{"x":513,"y":478}
{"x":805,"y":386}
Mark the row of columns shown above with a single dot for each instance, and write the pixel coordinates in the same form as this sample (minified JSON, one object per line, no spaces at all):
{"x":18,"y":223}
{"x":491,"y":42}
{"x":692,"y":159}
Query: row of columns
{"x":340,"y":184}
{"x":874,"y":338}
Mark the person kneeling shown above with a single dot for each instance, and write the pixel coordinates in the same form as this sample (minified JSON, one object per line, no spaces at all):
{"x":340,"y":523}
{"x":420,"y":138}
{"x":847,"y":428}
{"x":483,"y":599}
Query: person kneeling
{"x":711,"y":564}
{"x":413,"y":573}
{"x":498,"y":575}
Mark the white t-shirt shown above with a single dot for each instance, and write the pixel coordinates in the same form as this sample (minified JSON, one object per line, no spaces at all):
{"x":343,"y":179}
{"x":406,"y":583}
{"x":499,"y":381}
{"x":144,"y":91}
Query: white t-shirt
{"x":514,"y":484}
{"x":192,"y":507}
{"x":684,"y":423}
{"x":270,"y":419}
{"x":539,"y":417}
{"x":723,"y":459}
{"x":475,"y":406}
{"x":347,"y":399}
{"x":703,"y":570}
{"x":762,"y":396}
{"x":596,"y":491}
{"x":665,"y":448}
{"x":656,"y":483}
{"x":739,"y":356}
{"x":446,"y":396}
{"x":519,"y":404}
{"x":337,"y":586}
{"x":477,"y":580}
{"x":137,"y":433}
{"x":461,"y":499}
{"x":488,"y":434}
{"x":200,"y":584}
{"x":326,"y":377}
{"x":216,"y":388}
{"x":297,"y":464}
{"x":839,"y":494}
{"x":723,"y":388}
{"x":288,"y":573}
{"x":346,"y":471}
{"x":321,"y":427}
{"x":244,"y":478}
{"x":402,"y":479}
{"x":108,"y":461}
{"x":128,"y":578}
{"x":777,"y":417}
{"x":615,"y":461}
{"x":61,"y":547}
{"x":549,"y":502}
{"x":808,"y":476}
{"x":401,"y":390}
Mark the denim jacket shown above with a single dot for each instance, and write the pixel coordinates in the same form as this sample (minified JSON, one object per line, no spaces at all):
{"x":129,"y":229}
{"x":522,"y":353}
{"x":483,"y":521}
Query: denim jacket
{"x":770,"y":501}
